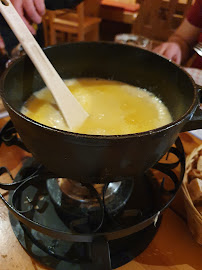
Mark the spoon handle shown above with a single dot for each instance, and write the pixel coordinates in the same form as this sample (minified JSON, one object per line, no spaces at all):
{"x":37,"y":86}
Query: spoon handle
{"x":71,"y":109}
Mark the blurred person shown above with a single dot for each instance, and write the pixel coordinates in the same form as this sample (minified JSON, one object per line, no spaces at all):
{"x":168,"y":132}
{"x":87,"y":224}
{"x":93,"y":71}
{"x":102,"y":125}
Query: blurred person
{"x":3,"y":56}
{"x":31,"y":11}
{"x":179,"y":46}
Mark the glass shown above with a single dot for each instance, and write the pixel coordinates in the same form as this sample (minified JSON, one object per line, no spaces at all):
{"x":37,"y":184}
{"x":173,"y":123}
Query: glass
{"x":134,"y":40}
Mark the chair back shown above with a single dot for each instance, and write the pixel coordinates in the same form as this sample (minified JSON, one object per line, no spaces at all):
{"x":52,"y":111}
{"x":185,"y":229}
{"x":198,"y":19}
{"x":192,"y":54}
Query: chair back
{"x":158,"y":19}
{"x":69,"y":24}
{"x":63,"y":19}
{"x":92,"y":8}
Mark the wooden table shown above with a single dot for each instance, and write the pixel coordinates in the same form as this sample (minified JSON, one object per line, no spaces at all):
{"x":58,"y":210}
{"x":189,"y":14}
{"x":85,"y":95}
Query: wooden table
{"x":112,"y":13}
{"x":117,"y":15}
{"x":172,"y":248}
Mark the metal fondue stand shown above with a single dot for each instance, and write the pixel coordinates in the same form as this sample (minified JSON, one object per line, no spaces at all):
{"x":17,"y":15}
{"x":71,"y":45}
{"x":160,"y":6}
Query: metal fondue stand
{"x":104,"y":230}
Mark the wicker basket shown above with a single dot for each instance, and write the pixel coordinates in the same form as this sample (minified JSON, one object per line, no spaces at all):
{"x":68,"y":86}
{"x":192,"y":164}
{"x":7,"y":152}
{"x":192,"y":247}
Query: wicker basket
{"x":194,"y":218}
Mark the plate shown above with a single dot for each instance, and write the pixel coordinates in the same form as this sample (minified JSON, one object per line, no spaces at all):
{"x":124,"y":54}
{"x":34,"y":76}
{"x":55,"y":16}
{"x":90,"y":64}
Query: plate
{"x":197,"y":133}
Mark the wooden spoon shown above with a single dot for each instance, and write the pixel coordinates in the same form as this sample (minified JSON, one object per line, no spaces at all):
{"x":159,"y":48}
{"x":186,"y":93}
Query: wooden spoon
{"x":72,"y":111}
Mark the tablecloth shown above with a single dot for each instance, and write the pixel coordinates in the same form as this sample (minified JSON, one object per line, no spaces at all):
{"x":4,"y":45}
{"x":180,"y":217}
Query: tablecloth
{"x":196,"y":74}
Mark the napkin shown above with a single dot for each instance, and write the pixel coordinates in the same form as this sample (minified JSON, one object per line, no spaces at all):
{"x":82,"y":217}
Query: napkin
{"x":196,"y":75}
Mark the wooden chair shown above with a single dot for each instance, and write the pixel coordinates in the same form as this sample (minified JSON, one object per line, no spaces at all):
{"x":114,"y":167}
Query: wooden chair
{"x":71,"y":22}
{"x":158,"y":19}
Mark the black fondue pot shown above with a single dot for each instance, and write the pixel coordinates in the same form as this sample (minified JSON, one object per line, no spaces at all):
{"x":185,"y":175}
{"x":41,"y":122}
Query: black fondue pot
{"x":94,"y":158}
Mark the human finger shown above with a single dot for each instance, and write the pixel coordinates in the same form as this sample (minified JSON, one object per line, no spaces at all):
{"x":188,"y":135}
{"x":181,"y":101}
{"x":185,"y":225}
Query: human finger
{"x":18,"y":5}
{"x":40,"y":6}
{"x":160,"y":49}
{"x":174,"y":54}
{"x":31,"y":11}
{"x":177,"y":58}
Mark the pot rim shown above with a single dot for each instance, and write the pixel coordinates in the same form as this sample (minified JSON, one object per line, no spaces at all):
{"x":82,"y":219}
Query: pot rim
{"x":101,"y":137}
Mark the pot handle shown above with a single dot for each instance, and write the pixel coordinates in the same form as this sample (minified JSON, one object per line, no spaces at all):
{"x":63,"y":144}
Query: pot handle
{"x":196,"y":121}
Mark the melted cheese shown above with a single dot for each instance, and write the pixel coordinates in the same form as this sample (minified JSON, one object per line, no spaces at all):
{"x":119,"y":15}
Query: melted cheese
{"x":114,"y":108}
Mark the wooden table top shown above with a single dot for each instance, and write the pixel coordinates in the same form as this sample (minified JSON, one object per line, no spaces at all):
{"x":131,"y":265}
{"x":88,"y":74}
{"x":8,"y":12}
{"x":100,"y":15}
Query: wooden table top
{"x":171,"y":249}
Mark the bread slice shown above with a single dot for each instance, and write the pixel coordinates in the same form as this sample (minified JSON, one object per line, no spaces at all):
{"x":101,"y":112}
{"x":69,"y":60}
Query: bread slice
{"x":195,"y":189}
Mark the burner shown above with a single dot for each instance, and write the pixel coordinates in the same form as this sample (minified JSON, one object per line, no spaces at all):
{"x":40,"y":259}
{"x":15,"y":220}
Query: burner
{"x":86,"y":198}
{"x":79,"y":192}
{"x":36,"y":200}
{"x":69,"y":225}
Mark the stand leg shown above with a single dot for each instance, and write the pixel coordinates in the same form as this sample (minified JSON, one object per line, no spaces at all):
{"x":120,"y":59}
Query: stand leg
{"x":100,"y":255}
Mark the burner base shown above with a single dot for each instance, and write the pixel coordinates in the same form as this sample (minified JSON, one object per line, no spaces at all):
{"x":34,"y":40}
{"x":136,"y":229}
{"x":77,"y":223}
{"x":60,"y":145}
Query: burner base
{"x":60,"y":254}
{"x":51,"y":252}
{"x":81,"y":244}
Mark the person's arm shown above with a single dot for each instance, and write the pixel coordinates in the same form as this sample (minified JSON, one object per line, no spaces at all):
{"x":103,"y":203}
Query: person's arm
{"x":31,"y":11}
{"x":180,"y":44}
{"x":186,"y":36}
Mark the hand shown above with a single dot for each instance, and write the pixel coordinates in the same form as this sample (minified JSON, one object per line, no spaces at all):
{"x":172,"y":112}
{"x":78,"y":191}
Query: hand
{"x":31,"y":11}
{"x":170,"y":50}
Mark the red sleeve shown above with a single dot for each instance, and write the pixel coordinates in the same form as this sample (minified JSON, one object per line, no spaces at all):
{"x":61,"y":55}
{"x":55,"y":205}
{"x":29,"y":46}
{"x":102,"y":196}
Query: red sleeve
{"x":194,"y":15}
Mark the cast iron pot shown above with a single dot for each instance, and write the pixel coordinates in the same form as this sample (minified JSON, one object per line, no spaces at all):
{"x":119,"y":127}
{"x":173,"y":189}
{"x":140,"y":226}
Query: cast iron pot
{"x":94,"y":158}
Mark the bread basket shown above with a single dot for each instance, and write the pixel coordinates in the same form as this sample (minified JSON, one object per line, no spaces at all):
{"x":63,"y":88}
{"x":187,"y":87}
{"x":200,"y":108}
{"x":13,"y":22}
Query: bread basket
{"x":194,"y":217}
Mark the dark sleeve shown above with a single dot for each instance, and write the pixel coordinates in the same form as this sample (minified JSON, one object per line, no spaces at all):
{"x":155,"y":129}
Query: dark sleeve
{"x":59,"y":4}
{"x":9,"y":38}
{"x":194,"y":15}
